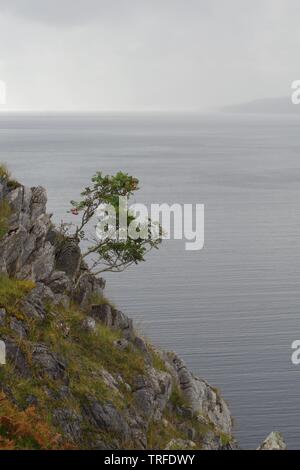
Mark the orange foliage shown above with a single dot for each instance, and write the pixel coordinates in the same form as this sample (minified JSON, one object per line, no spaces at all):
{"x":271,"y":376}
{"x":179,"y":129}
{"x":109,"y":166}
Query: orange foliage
{"x":25,"y":429}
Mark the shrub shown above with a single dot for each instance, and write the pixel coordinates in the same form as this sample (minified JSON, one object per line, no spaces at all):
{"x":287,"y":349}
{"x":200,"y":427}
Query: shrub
{"x":13,"y":184}
{"x":111,"y":251}
{"x":5,"y":176}
{"x":25,"y":429}
{"x":4,"y":173}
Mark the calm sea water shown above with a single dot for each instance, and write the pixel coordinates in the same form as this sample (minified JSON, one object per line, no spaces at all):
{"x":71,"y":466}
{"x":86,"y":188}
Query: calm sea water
{"x":232,"y":310}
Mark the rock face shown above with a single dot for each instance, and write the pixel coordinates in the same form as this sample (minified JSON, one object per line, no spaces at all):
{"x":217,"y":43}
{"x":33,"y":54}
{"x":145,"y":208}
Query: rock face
{"x":180,"y":444}
{"x":33,"y":249}
{"x":24,"y":252}
{"x":152,"y":392}
{"x":132,"y":395}
{"x":48,"y":363}
{"x":274,"y":441}
{"x":201,"y":397}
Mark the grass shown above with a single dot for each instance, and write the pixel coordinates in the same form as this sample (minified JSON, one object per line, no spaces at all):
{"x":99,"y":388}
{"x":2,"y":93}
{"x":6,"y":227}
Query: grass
{"x":22,"y":387}
{"x":5,"y":176}
{"x":5,"y":210}
{"x":175,"y":425}
{"x":161,"y":433}
{"x":85,"y":354}
{"x":225,"y":439}
{"x":177,"y":399}
{"x":25,"y":429}
{"x":100,"y":299}
{"x":98,"y":347}
{"x":4,"y":173}
{"x":13,"y":184}
{"x":157,"y":361}
{"x":12,"y":291}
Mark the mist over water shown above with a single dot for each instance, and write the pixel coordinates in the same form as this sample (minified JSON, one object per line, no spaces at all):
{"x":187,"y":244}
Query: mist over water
{"x":232,"y":310}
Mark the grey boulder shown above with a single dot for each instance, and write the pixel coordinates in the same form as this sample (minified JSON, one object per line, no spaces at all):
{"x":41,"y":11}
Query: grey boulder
{"x":274,"y":441}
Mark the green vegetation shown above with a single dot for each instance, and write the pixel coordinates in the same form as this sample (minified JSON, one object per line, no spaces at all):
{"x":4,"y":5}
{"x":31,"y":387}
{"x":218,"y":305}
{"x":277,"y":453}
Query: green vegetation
{"x":98,"y":299}
{"x":26,"y":429}
{"x":94,"y":364}
{"x":174,"y":425}
{"x":13,"y":184}
{"x":85,"y":353}
{"x":162,"y":432}
{"x":113,"y":250}
{"x":5,"y":213}
{"x":5,"y":209}
{"x":157,"y":361}
{"x":225,"y":439}
{"x":4,"y":173}
{"x":177,"y":399}
{"x":12,"y":292}
{"x":5,"y":176}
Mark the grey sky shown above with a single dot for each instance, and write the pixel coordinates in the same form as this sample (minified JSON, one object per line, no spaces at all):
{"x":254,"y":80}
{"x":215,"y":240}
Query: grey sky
{"x":146,"y":54}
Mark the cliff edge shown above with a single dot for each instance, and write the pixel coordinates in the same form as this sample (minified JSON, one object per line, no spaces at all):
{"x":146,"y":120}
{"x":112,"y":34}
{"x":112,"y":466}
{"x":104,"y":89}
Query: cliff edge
{"x":77,"y":373}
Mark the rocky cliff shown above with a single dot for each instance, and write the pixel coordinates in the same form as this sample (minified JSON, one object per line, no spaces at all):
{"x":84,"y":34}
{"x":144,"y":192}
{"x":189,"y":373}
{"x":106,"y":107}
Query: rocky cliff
{"x":77,"y":371}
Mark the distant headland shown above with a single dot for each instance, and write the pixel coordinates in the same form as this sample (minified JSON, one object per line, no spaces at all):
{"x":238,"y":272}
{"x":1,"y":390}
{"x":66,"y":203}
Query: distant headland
{"x":281,"y":105}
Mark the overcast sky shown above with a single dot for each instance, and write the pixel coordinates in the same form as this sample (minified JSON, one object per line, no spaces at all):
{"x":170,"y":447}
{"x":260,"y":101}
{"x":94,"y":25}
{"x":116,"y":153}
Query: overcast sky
{"x":146,"y":54}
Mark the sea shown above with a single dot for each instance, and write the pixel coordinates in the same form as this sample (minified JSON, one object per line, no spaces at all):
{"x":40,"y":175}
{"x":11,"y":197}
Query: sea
{"x":232,"y":309}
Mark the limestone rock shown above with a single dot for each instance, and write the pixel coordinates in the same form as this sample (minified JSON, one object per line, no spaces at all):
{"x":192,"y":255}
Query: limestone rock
{"x":68,"y":257}
{"x":152,"y":392}
{"x":38,"y":202}
{"x":70,"y":423}
{"x":24,"y":251}
{"x":201,"y":397}
{"x":87,"y":288}
{"x":48,"y":363}
{"x":59,"y":282}
{"x":102,"y":313}
{"x":106,"y":417}
{"x":89,"y":324}
{"x":17,"y":357}
{"x":42,"y":265}
{"x":2,"y":316}
{"x":34,"y":249}
{"x":140,"y":343}
{"x":19,"y":327}
{"x":109,"y":380}
{"x":180,"y":444}
{"x":120,"y":321}
{"x":121,"y":344}
{"x":34,"y":303}
{"x":274,"y":441}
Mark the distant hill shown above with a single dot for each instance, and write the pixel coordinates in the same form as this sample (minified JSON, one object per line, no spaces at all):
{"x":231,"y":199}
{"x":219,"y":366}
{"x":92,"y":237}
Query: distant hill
{"x":281,"y":105}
